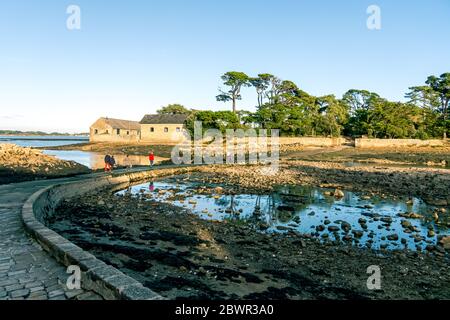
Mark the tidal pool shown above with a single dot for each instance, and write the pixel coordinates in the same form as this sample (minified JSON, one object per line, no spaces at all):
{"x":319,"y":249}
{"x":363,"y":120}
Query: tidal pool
{"x":365,"y":220}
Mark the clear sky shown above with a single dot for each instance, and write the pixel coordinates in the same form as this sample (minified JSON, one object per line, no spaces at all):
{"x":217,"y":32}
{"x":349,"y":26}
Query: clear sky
{"x":132,"y":57}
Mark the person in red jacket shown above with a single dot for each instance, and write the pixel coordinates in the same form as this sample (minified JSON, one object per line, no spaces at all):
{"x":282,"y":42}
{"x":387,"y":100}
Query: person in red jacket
{"x":151,"y":158}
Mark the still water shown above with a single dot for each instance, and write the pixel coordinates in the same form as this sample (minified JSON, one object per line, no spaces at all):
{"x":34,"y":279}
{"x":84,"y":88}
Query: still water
{"x":91,"y":160}
{"x":95,"y":160}
{"x":309,"y":210}
{"x":43,"y":141}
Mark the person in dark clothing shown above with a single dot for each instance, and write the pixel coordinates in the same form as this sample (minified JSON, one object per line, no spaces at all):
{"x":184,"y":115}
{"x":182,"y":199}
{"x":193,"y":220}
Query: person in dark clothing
{"x":112,"y":162}
{"x":107,"y":163}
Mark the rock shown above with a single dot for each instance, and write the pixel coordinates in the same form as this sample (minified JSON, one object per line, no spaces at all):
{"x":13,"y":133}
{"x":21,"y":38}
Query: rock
{"x":386,"y":220}
{"x":407,"y":224}
{"x":101,"y":203}
{"x":404,"y":271}
{"x":201,"y":271}
{"x":183,"y":269}
{"x":333,"y":229}
{"x":347,"y":238}
{"x":320,"y":228}
{"x":357,"y":234}
{"x":339,"y":193}
{"x":431,"y":233}
{"x":263,"y":226}
{"x":392,"y":237}
{"x":445,"y":242}
{"x":346,"y":226}
{"x":411,"y":215}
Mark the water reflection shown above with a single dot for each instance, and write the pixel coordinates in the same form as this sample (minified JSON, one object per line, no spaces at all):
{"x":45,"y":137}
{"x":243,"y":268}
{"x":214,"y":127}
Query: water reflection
{"x":95,"y":161}
{"x":374,"y":221}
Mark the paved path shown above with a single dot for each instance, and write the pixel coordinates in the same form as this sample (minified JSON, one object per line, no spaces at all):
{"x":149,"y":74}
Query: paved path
{"x":26,"y":270}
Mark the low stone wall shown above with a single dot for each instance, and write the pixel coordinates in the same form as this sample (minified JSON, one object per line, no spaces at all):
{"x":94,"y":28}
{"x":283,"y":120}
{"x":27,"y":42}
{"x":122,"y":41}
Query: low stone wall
{"x":97,"y":276}
{"x":392,"y":143}
{"x":312,"y":141}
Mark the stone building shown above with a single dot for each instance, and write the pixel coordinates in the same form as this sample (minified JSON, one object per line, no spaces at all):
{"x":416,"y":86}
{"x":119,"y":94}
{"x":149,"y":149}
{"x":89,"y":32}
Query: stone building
{"x":158,"y":128}
{"x":114,"y":130}
{"x":163,"y":128}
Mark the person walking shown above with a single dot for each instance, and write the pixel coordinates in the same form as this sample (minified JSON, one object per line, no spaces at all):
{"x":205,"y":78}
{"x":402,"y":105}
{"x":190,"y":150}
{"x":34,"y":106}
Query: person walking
{"x":151,"y":158}
{"x":112,"y":162}
{"x":107,"y":163}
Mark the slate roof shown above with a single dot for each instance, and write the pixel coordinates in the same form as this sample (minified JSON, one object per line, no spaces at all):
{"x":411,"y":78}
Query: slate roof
{"x":122,"y":124}
{"x":164,"y":119}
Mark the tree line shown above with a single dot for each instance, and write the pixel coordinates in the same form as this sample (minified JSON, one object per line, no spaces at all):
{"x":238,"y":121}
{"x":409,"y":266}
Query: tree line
{"x":282,"y":105}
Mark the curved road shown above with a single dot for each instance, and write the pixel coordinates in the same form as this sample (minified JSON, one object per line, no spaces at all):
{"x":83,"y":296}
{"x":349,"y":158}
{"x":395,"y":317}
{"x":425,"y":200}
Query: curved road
{"x":26,"y":270}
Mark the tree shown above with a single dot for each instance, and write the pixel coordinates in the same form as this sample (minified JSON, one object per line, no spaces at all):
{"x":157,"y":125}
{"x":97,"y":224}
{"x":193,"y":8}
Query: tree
{"x":423,"y":97}
{"x":261,"y":84}
{"x":359,"y":104}
{"x":359,"y":100}
{"x":235,"y":80}
{"x":221,"y":120}
{"x":174,"y":109}
{"x":441,"y":86}
{"x":333,"y":115}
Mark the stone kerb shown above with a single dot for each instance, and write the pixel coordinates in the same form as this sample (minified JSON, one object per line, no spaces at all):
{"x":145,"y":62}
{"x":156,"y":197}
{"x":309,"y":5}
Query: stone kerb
{"x":97,"y":276}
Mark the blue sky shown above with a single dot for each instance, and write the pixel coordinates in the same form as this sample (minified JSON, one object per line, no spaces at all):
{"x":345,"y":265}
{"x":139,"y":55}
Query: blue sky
{"x":132,"y":57}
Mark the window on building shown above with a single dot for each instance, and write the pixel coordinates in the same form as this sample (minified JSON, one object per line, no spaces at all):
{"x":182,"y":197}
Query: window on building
{"x":107,"y":131}
{"x":152,"y":129}
{"x":96,"y":131}
{"x":128,"y":133}
{"x":178,"y":129}
{"x":118,"y":131}
{"x":166,"y":129}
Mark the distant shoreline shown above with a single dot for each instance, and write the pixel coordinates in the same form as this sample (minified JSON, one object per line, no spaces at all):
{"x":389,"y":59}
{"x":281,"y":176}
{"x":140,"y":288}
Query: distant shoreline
{"x":10,"y":133}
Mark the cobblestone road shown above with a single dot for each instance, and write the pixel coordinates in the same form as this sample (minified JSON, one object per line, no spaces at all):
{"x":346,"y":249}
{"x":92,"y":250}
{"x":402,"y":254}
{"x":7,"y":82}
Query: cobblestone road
{"x":26,"y":271}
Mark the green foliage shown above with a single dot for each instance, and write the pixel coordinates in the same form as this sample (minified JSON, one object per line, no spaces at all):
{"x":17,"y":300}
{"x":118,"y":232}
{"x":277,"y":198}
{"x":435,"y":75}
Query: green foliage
{"x":221,"y":120}
{"x":174,"y":109}
{"x":235,"y":81}
{"x":282,"y":105}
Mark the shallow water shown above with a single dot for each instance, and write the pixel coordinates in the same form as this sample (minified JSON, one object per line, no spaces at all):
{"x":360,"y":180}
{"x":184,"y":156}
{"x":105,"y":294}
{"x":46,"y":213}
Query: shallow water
{"x":43,"y":141}
{"x":302,"y":209}
{"x":95,"y":160}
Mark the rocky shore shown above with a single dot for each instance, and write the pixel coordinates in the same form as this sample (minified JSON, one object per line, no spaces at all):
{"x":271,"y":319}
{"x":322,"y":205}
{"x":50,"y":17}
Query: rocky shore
{"x":22,"y":164}
{"x":180,"y":255}
{"x":431,"y":185}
